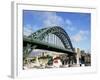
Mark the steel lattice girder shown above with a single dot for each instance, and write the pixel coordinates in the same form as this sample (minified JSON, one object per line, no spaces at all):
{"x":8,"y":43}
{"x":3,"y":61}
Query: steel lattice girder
{"x":56,"y":30}
{"x":37,"y":44}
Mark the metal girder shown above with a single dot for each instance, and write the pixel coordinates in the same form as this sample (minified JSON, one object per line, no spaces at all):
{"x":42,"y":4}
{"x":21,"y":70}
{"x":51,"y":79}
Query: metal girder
{"x":56,"y":30}
{"x":46,"y":46}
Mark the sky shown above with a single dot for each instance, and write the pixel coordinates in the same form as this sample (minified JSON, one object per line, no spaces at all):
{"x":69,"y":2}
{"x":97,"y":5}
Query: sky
{"x":77,"y":25}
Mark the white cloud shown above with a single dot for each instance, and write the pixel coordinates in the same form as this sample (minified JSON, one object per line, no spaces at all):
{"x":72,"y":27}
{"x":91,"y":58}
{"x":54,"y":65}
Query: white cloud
{"x":70,"y":28}
{"x":81,"y":35}
{"x":84,"y":32}
{"x":69,"y":25}
{"x":27,"y":30}
{"x":68,"y":22}
{"x":51,"y":19}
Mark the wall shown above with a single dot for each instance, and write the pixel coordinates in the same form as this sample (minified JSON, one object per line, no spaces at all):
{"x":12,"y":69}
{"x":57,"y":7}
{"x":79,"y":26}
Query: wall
{"x":5,"y":41}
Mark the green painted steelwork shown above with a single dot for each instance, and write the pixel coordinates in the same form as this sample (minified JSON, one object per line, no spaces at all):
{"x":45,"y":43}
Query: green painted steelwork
{"x":35,"y":41}
{"x":56,"y":30}
{"x":45,"y":46}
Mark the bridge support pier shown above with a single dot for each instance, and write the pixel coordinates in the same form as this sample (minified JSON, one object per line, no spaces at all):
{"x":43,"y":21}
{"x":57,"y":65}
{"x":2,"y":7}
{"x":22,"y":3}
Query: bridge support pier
{"x":77,"y":50}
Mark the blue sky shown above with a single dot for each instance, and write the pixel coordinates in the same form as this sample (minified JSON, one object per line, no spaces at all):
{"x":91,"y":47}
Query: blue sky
{"x":77,"y":25}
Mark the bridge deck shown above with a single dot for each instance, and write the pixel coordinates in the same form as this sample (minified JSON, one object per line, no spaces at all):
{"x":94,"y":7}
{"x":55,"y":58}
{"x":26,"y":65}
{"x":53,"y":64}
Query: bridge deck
{"x":46,"y":46}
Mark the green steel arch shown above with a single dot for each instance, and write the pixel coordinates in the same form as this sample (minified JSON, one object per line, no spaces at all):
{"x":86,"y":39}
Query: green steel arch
{"x":56,"y":30}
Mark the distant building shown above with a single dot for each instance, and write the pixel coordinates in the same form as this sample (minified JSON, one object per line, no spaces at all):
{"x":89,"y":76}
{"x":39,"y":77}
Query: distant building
{"x":83,"y":57}
{"x":86,"y":57}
